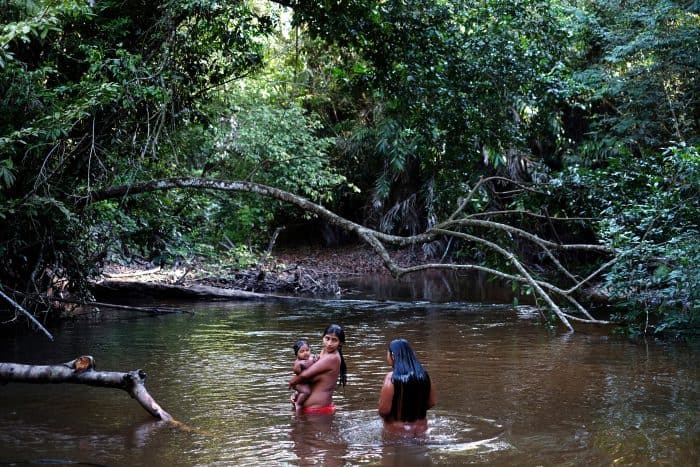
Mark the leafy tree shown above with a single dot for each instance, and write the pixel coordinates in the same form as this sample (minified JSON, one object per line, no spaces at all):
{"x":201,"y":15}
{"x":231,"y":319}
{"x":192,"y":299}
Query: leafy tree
{"x":497,"y":85}
{"x":458,"y":89}
{"x":639,"y":79}
{"x":635,"y":167}
{"x":105,"y":93}
{"x":398,"y":112}
{"x":651,"y":220}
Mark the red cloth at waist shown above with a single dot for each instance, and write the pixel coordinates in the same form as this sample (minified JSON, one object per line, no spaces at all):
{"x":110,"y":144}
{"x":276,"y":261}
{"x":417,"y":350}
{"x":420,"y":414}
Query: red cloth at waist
{"x":328,"y":409}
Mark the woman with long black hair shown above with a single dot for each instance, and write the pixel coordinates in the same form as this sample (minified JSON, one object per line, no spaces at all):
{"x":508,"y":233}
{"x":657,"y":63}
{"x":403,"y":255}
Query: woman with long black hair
{"x":329,"y":370}
{"x":407,"y":392}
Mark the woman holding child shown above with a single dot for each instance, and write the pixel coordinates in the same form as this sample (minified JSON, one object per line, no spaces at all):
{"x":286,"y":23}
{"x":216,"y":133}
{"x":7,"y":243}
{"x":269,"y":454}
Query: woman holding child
{"x":405,"y":397}
{"x":324,"y":373}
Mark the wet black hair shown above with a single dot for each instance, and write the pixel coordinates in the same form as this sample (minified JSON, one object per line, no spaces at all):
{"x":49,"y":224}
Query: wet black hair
{"x":337,"y":330}
{"x":298,"y":345}
{"x":411,"y":383}
{"x":406,"y":363}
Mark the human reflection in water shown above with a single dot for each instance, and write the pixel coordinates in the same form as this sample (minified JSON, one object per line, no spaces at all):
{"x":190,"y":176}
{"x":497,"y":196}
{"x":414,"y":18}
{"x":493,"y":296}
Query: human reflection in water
{"x":318,"y":440}
{"x":398,"y":450}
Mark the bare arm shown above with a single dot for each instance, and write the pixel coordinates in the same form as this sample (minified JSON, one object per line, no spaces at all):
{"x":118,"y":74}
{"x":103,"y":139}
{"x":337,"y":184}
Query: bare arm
{"x":323,"y":365}
{"x":301,"y":365}
{"x":386,"y":396}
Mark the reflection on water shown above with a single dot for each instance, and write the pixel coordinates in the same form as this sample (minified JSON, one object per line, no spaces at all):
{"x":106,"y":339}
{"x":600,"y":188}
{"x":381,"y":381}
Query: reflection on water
{"x":510,"y":391}
{"x":433,"y":287}
{"x":317,"y":439}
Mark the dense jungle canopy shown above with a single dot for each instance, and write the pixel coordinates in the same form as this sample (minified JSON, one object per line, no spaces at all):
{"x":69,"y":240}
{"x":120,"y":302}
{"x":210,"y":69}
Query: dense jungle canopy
{"x":573,"y":121}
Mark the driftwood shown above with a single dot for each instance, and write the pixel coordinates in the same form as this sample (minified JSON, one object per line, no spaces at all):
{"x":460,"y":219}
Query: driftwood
{"x":145,"y":309}
{"x":82,"y":371}
{"x":255,"y":284}
{"x":156,"y":289}
{"x":132,"y":274}
{"x":292,"y":280}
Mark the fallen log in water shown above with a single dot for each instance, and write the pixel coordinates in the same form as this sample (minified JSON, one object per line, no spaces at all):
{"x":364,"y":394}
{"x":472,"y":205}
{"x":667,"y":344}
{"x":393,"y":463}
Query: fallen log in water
{"x":82,"y":371}
{"x":132,"y":273}
{"x":298,"y":284}
{"x":157,"y":289}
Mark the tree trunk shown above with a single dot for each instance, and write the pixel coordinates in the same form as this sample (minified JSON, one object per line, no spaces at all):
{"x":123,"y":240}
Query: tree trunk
{"x":82,"y":371}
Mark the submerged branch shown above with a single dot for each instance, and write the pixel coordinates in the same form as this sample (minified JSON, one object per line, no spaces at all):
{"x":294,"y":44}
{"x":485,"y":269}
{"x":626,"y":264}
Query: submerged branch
{"x":519,"y":266}
{"x":153,"y":310}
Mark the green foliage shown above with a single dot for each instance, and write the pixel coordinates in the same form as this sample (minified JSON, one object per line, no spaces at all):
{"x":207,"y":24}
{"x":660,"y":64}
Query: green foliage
{"x":455,"y":87}
{"x":384,"y":110}
{"x":100,"y":95}
{"x":276,"y":144}
{"x":640,"y":78}
{"x":7,"y":176}
{"x":649,"y":211}
{"x":253,"y":131}
{"x":636,"y":82}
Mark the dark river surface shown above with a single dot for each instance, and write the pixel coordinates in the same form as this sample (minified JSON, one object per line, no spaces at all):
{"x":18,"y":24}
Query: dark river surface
{"x":510,"y":390}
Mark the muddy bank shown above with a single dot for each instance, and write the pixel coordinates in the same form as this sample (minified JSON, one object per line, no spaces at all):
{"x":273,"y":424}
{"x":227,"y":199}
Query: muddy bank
{"x":299,"y":271}
{"x":346,"y":260}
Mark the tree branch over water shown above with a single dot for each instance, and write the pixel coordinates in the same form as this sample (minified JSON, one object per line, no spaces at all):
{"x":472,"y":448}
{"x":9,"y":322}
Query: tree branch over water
{"x":82,"y":371}
{"x":29,"y":316}
{"x":457,"y":225}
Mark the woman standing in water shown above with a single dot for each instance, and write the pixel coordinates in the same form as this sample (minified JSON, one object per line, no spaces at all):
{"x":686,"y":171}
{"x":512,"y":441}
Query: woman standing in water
{"x":407,"y":392}
{"x":323,"y":375}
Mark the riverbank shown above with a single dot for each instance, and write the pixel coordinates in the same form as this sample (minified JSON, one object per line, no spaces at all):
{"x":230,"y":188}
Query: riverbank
{"x":347,"y":260}
{"x":302,"y":270}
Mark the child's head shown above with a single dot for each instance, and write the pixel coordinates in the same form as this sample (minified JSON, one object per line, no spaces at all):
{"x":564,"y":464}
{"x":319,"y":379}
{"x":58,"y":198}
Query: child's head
{"x":302,"y":351}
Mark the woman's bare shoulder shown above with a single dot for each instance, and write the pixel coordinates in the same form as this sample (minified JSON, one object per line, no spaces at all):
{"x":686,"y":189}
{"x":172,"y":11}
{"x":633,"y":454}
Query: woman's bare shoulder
{"x":329,"y":356}
{"x":387,"y":378}
{"x":326,"y":362}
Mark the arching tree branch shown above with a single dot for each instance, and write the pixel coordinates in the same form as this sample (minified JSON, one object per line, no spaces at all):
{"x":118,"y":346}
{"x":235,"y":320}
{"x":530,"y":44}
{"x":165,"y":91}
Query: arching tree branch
{"x":452,"y":227}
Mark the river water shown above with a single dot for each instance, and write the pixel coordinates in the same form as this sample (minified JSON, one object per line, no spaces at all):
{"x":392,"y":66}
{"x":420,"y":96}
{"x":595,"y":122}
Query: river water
{"x":510,"y":390}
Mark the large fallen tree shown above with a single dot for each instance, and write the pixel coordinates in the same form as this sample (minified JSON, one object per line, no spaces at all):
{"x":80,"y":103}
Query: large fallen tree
{"x":562,"y":301}
{"x":82,"y":371}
